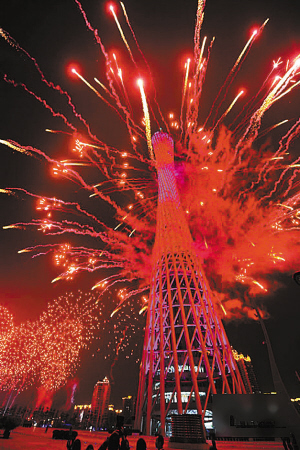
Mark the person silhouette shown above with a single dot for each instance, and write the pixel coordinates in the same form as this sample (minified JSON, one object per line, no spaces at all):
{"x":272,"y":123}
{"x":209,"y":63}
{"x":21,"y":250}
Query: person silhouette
{"x":114,"y":441}
{"x":104,"y":445}
{"x":159,"y":443}
{"x":71,"y":439}
{"x":76,"y":445}
{"x":124,"y":443}
{"x":141,"y":444}
{"x":6,"y":433}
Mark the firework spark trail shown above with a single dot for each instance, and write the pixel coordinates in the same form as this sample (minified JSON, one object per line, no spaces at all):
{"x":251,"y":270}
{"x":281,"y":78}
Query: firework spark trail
{"x":148,"y":69}
{"x":121,"y":33}
{"x":131,"y":125}
{"x":241,"y":119}
{"x":41,"y":100}
{"x":252,"y":129}
{"x":228,"y":109}
{"x":268,"y":130}
{"x":67,"y":173}
{"x":138,"y":130}
{"x":117,"y":353}
{"x":184,"y":91}
{"x":107,"y":282}
{"x":200,"y":59}
{"x":197,"y":88}
{"x":230,"y":77}
{"x":127,"y":323}
{"x":93,"y":89}
{"x":104,"y":259}
{"x":276,"y":93}
{"x":134,"y":37}
{"x":198,"y":26}
{"x":146,"y":118}
{"x":120,"y":75}
{"x":27,"y":150}
{"x":292,"y":134}
{"x":48,"y":204}
{"x":268,"y":167}
{"x":50,"y":84}
{"x":110,"y":80}
{"x":89,"y":150}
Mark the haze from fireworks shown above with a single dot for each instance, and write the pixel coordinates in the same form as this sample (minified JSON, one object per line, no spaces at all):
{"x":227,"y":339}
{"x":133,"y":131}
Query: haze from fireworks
{"x":241,"y":197}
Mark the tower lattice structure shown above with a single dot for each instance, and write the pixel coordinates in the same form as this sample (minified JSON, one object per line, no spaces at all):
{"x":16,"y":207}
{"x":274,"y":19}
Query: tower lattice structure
{"x":186,"y":353}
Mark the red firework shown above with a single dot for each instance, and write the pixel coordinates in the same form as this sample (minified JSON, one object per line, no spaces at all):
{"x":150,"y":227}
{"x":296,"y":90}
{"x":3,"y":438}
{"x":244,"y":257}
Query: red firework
{"x":241,"y":199}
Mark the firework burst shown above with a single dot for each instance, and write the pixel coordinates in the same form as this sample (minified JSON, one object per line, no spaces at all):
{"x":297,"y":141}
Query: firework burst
{"x":240,"y":196}
{"x":65,"y":328}
{"x":46,"y":353}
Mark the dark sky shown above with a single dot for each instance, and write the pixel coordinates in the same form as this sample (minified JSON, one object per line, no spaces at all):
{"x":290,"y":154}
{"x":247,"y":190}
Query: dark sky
{"x":54,"y":33}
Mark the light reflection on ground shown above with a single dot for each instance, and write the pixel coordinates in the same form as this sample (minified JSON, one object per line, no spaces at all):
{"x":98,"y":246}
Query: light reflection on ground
{"x":36,"y":438}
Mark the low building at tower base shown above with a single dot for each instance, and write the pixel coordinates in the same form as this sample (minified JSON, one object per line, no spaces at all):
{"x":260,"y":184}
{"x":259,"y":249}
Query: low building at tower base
{"x":248,"y":416}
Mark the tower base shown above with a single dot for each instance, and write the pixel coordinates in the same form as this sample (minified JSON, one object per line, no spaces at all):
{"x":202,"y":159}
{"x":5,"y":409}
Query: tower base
{"x":188,"y":432}
{"x":189,"y":446}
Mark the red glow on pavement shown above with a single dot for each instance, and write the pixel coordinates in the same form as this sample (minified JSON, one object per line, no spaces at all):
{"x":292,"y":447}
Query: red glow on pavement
{"x":37,"y":438}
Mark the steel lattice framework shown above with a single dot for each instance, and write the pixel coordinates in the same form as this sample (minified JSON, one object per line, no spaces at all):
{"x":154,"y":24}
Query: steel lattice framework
{"x":186,"y":352}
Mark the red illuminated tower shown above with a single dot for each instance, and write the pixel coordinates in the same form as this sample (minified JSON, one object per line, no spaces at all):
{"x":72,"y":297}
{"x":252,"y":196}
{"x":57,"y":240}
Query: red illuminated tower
{"x":100,"y":401}
{"x":186,"y":354}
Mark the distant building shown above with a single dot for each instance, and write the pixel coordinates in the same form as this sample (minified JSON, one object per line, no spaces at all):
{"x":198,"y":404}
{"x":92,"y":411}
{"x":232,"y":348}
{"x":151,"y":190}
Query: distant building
{"x":247,"y":372}
{"x":111,"y":417}
{"x":296,"y":402}
{"x":128,"y":409}
{"x":82,"y":414}
{"x":80,"y":408}
{"x":100,"y":401}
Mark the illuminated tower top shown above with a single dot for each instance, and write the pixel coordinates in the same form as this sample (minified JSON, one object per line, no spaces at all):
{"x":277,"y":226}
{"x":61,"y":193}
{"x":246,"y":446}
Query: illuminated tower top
{"x":172,"y":232}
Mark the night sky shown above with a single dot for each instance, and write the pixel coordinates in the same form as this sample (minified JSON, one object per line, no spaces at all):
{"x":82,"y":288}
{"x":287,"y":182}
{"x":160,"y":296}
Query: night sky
{"x":54,"y":33}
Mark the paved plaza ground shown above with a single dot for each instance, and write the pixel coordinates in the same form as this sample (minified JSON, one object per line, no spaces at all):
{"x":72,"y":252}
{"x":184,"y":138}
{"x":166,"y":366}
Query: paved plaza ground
{"x":36,"y":439}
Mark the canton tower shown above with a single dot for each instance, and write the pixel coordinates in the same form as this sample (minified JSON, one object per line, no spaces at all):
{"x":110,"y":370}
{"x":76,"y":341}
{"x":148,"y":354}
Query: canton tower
{"x":186,"y":353}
